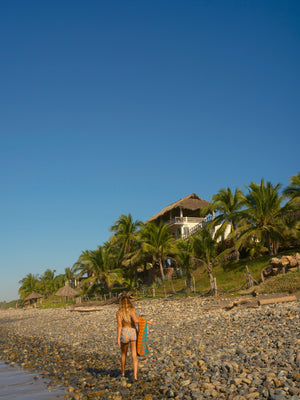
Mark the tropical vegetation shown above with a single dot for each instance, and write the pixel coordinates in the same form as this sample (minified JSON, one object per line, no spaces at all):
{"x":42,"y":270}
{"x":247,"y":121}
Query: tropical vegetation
{"x":262,"y":220}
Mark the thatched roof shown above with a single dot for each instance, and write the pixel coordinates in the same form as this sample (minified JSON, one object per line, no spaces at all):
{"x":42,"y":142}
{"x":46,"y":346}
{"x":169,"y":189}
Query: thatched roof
{"x":33,"y":296}
{"x":66,"y":291}
{"x":191,"y":202}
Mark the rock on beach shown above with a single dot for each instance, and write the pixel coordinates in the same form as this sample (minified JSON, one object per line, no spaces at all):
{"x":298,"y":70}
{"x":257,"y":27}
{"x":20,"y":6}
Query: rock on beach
{"x":195,"y":352}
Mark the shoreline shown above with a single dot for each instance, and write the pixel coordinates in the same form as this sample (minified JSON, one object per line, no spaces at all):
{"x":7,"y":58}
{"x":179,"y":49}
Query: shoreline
{"x":16,"y":383}
{"x":195,"y":352}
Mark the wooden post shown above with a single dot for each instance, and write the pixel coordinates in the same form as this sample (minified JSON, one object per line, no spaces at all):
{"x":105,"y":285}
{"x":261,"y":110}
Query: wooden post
{"x":194,"y":284}
{"x":153,"y":291}
{"x":250,"y":279}
{"x":165,"y":291}
{"x":284,"y":269}
{"x":172,"y":286}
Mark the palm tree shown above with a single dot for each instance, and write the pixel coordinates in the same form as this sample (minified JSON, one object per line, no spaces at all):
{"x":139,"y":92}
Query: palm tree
{"x":69,"y":274}
{"x":48,"y":282}
{"x":28,"y":284}
{"x":125,"y":230}
{"x":204,"y":250}
{"x":96,"y":263}
{"x":157,"y":242}
{"x":111,"y":248}
{"x":262,"y":217}
{"x":292,"y":208}
{"x":227,"y":204}
{"x":67,"y":277}
{"x":59,"y":281}
{"x":125,"y":243}
{"x":293,"y":189}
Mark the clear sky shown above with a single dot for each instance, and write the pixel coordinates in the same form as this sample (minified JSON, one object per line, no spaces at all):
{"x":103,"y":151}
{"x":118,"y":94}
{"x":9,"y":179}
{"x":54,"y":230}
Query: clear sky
{"x":117,"y":107}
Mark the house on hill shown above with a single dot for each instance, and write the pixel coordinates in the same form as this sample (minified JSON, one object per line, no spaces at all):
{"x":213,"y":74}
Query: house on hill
{"x":184,"y":216}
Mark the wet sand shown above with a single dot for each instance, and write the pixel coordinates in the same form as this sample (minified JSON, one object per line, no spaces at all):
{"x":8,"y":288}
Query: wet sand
{"x":17,"y":384}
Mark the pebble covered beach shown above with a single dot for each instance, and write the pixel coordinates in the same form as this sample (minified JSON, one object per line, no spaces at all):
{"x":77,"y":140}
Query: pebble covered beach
{"x":198,"y":350}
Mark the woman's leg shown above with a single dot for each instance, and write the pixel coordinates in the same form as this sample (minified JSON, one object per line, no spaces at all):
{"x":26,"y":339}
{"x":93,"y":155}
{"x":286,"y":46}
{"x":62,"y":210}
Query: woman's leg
{"x":134,"y":358}
{"x":124,"y":348}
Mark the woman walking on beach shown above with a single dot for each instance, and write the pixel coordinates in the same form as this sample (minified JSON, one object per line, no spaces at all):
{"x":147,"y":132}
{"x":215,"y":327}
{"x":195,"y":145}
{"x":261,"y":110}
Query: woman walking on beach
{"x":127,"y":333}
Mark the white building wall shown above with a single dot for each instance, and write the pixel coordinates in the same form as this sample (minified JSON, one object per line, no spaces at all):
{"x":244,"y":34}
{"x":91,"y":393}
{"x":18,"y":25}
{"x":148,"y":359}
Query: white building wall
{"x":187,"y":228}
{"x":226,"y":233}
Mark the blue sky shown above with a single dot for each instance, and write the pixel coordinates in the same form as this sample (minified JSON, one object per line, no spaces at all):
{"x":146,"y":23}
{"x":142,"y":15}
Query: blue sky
{"x":114,"y":107}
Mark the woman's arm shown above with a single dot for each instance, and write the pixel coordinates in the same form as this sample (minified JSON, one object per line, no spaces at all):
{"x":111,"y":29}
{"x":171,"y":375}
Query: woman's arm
{"x":119,"y":328}
{"x":134,"y":317}
{"x":136,"y":320}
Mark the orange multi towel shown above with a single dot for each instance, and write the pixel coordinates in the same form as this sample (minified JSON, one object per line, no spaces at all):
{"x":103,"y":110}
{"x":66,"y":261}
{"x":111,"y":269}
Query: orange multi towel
{"x":142,"y":347}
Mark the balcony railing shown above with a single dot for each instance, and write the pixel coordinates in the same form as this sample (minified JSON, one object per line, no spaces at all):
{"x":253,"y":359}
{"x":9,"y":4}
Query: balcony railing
{"x":187,"y":220}
{"x":189,"y":231}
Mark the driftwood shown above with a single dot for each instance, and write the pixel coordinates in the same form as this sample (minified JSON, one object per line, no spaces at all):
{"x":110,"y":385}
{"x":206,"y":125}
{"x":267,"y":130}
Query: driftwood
{"x":237,"y":303}
{"x":250,"y":303}
{"x":276,"y":300}
{"x":86,"y":309}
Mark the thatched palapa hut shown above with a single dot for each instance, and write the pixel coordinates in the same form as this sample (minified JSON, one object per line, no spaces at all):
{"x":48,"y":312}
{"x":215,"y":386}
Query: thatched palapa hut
{"x":66,"y":292}
{"x":33,"y":297}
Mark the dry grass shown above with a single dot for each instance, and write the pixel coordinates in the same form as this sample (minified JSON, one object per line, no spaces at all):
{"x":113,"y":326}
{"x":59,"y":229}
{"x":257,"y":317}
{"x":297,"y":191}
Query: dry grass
{"x":284,"y":283}
{"x":232,"y":276}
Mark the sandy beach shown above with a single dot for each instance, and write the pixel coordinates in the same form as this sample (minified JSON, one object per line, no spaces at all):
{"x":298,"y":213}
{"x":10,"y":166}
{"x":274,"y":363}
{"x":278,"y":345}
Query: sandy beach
{"x":198,"y":350}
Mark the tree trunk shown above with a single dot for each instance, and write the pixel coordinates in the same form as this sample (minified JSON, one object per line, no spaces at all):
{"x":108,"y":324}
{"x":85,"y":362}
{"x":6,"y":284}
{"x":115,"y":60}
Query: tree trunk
{"x":188,"y":281}
{"x":212,"y":281}
{"x":215,"y":286}
{"x":161,"y":270}
{"x":135,"y":274}
{"x":276,"y":247}
{"x":269,"y":246}
{"x":237,"y":253}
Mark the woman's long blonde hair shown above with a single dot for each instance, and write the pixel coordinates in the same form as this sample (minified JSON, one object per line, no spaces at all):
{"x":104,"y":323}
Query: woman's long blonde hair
{"x":126,"y":308}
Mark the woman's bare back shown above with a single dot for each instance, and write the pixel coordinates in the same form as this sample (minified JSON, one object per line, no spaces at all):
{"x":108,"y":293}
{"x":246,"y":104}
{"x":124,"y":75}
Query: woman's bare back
{"x":134,"y":320}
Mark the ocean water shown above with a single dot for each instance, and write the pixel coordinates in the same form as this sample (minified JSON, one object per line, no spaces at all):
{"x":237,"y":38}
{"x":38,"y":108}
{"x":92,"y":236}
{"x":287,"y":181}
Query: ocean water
{"x":18,"y":384}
